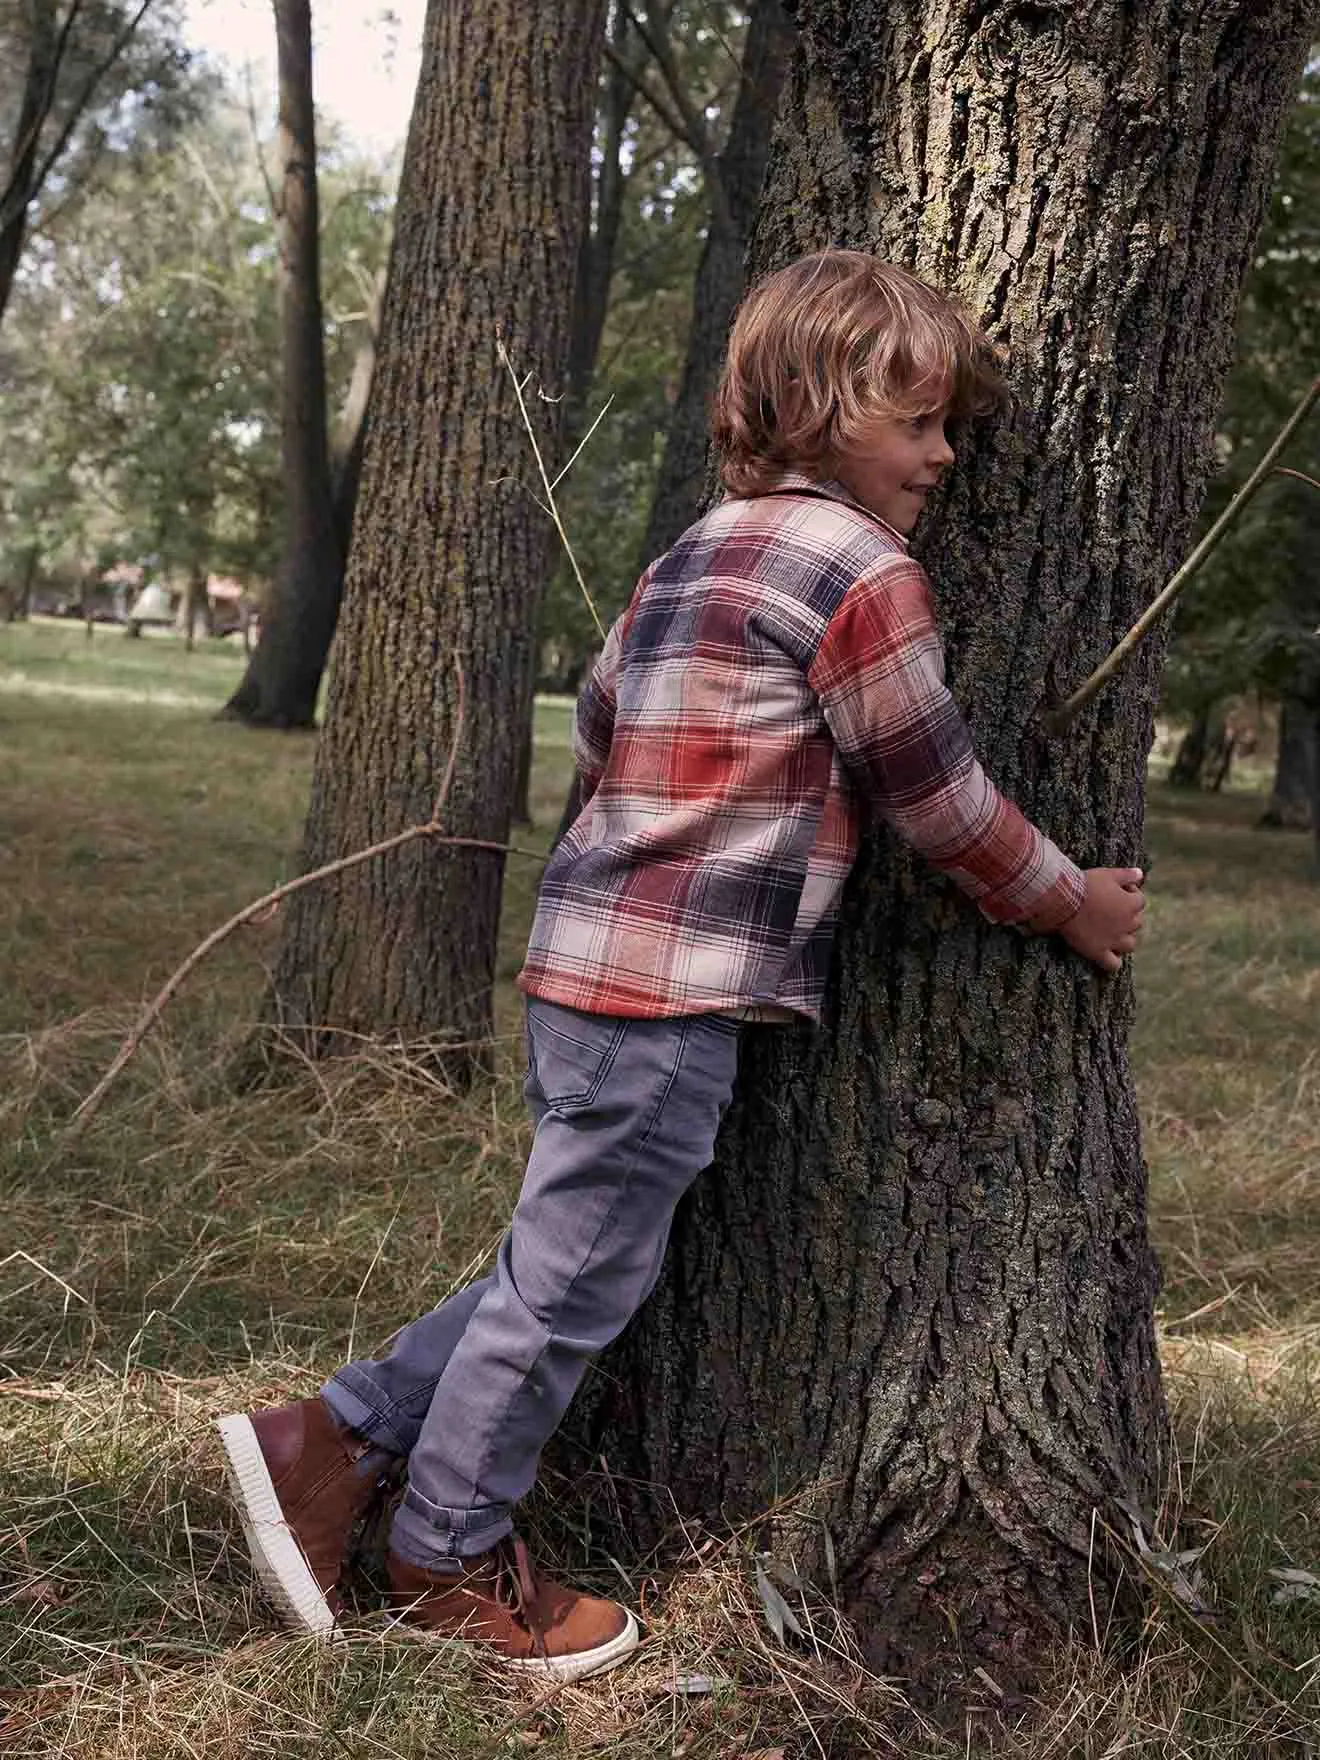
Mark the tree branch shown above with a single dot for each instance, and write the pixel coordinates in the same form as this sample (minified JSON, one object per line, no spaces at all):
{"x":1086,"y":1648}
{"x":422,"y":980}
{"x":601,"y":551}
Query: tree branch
{"x":24,"y":152}
{"x":653,"y":29}
{"x":638,"y":83}
{"x":84,"y":98}
{"x":261,"y":909}
{"x":1057,"y":719}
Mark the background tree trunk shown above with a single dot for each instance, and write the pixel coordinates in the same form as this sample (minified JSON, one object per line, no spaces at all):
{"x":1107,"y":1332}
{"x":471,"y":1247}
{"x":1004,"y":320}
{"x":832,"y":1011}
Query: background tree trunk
{"x":720,"y":277}
{"x":600,"y":229}
{"x":591,"y":295}
{"x":282,"y":677}
{"x":196,"y":607}
{"x":449,"y":552}
{"x":917,"y":1283}
{"x":718,"y":286}
{"x":1295,"y":769}
{"x":352,"y":443}
{"x":1193,"y":747}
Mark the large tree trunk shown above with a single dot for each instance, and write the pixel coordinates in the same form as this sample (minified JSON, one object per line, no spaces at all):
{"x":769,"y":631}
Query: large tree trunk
{"x":917,"y":1284}
{"x":449,"y":551}
{"x":280,"y":683}
{"x":720,"y":277}
{"x":1296,"y":769}
{"x":34,"y":107}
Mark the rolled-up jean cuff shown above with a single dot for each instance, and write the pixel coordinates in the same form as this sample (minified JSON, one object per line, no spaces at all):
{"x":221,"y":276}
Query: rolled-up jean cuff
{"x":422,"y":1532}
{"x":368,"y":1420}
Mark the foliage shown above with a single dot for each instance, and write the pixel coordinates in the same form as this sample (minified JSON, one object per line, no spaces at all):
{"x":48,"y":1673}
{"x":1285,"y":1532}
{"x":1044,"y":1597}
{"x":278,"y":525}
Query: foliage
{"x":1249,"y":620}
{"x":121,"y":86}
{"x":141,"y":357}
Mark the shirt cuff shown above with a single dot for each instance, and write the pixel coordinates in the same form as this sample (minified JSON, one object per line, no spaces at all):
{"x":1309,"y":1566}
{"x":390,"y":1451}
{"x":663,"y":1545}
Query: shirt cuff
{"x":1060,"y":904}
{"x":1047,"y":906}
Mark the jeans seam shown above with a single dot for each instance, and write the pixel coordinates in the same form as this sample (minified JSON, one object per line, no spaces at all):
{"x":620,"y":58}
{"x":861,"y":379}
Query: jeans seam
{"x":604,"y":1224}
{"x":489,"y":1514}
{"x":388,"y":1414}
{"x":556,"y":1103}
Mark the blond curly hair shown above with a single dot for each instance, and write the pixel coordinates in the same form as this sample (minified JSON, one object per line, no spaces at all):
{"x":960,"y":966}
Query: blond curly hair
{"x":823,"y":347}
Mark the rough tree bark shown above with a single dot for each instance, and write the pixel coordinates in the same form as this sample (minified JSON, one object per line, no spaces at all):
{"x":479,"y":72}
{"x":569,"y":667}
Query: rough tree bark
{"x":917,"y":1283}
{"x":283,"y":675}
{"x":449,"y":550}
{"x":1295,"y":769}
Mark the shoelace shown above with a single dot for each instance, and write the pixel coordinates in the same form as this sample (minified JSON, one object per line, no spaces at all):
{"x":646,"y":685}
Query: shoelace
{"x":517,"y":1567}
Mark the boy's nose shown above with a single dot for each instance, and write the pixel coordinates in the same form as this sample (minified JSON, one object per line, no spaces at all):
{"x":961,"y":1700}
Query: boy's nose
{"x":943,"y":454}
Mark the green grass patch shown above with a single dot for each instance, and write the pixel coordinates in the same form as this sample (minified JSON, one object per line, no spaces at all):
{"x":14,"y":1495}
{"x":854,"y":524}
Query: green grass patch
{"x":201,"y":1251}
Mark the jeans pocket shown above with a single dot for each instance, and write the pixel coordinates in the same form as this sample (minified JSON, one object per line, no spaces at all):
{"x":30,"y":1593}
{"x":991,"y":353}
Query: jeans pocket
{"x":570,"y":1054}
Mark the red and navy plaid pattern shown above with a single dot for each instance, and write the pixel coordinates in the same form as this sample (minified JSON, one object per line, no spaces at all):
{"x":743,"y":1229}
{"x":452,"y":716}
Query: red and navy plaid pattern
{"x":776,"y":670}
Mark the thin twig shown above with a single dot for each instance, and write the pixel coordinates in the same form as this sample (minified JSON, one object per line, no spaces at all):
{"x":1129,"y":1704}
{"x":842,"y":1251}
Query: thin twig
{"x":1283,"y":470}
{"x":552,"y":507}
{"x":600,"y":417}
{"x":1058,"y":719}
{"x":262,"y":908}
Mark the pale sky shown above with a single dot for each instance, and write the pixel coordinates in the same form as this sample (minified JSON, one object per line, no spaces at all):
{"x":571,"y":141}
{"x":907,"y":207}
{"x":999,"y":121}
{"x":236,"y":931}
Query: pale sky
{"x":365,"y":68}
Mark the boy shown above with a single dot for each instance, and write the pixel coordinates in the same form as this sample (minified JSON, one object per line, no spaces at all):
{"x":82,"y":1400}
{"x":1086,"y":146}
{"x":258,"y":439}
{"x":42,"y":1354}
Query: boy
{"x":775,"y":670}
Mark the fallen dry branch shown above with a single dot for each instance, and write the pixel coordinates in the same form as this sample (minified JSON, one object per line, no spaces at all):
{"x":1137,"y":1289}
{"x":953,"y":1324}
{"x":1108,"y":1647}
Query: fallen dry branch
{"x":261,"y":909}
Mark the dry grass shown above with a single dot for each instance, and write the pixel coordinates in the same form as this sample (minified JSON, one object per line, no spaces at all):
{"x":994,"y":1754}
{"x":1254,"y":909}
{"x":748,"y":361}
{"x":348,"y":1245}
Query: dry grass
{"x":199,"y":1252}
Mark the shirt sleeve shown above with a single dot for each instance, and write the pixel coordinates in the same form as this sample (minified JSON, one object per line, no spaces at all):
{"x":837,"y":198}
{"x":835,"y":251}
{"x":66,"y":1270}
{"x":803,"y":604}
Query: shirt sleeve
{"x":879,"y":675}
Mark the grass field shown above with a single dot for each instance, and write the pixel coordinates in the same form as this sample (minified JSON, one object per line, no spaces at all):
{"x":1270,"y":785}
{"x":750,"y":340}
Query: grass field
{"x":199,"y":1252}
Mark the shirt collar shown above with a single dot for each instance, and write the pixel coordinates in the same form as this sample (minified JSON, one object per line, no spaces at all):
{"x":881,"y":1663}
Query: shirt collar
{"x":792,"y":479}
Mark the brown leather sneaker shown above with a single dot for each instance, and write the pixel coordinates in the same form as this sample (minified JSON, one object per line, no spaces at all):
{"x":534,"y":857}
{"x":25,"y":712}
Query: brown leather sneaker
{"x":300,"y":1482}
{"x":535,"y":1625}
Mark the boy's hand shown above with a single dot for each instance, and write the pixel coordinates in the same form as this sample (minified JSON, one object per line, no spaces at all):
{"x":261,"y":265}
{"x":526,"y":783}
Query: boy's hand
{"x":1107,"y":925}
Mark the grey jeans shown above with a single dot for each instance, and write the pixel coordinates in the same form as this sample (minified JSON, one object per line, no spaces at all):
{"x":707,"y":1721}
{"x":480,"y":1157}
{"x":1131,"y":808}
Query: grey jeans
{"x":626,"y":1113}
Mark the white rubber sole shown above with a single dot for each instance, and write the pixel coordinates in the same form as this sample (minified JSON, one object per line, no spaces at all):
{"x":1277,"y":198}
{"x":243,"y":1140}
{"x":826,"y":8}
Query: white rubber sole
{"x":586,"y":1662}
{"x":276,"y":1556}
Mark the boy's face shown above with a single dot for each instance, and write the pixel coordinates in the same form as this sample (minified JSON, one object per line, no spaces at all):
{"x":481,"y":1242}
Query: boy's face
{"x":896,"y":465}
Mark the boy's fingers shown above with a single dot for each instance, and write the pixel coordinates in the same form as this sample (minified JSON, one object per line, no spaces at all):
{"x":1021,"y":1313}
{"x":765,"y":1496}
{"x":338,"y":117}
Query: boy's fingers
{"x":1109,"y":961}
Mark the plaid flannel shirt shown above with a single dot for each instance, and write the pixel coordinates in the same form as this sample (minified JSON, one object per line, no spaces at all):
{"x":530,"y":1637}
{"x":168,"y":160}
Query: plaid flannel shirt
{"x":776,"y":670}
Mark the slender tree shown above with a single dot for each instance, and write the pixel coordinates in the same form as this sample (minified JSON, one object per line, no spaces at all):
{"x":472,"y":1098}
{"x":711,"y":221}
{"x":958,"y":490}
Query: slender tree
{"x":449,"y":548}
{"x":283,"y":675}
{"x":735,"y":175}
{"x":1296,"y":766}
{"x":917,"y":1285}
